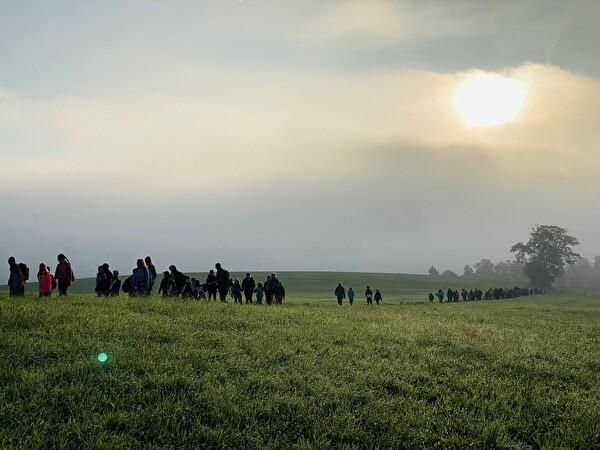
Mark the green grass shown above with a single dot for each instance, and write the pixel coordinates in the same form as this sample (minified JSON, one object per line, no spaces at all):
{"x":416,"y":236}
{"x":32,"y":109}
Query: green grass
{"x":522,"y":373}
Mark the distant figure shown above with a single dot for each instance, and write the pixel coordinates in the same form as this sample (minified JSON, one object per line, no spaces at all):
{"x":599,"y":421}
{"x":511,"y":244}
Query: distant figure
{"x":450,"y":295}
{"x":165,"y":285}
{"x":431,"y":297}
{"x":268,"y":293}
{"x":199,"y":292}
{"x":188,"y":288}
{"x":222,"y":282}
{"x":103,"y":281}
{"x":140,"y":280}
{"x":248,"y":286}
{"x":116,"y":284}
{"x":440,"y":295}
{"x":153,"y":273}
{"x":16,"y":279}
{"x":279,"y":293}
{"x":350,"y":295}
{"x":340,"y":293}
{"x":369,"y":295}
{"x":44,"y":281}
{"x":211,"y":285}
{"x":378,"y":297}
{"x":63,"y":274}
{"x":236,"y":291}
{"x":259,"y":291}
{"x":178,"y":281}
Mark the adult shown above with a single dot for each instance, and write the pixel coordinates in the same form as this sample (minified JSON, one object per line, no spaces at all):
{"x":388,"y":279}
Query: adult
{"x":222,"y":282}
{"x":153,"y":273}
{"x":248,"y":286}
{"x":440,"y":295}
{"x":140,"y":279}
{"x":369,"y":295}
{"x":63,"y":274}
{"x":178,"y":280}
{"x":108,"y":276}
{"x":44,"y":281}
{"x":279,"y":292}
{"x":267,"y":289}
{"x":16,"y":279}
{"x":378,"y":297}
{"x":211,"y":285}
{"x":340,"y":293}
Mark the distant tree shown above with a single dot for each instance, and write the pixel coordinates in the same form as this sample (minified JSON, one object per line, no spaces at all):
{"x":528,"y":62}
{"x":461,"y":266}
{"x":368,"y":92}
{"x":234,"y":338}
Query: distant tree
{"x":433,"y":272}
{"x":468,"y":271}
{"x":546,"y":253}
{"x":484,"y":269}
{"x":597,"y":263}
{"x":449,"y":274}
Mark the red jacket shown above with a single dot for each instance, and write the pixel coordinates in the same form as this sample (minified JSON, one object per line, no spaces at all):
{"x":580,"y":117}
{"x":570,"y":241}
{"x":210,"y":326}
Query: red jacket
{"x":45,"y":281}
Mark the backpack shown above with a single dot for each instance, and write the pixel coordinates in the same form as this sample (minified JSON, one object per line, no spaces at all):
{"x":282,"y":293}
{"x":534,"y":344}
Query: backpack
{"x":126,"y":286}
{"x":24,"y":271}
{"x":53,"y":282}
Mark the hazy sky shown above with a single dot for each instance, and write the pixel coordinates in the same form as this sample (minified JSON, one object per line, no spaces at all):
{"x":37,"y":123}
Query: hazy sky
{"x":292,"y":135}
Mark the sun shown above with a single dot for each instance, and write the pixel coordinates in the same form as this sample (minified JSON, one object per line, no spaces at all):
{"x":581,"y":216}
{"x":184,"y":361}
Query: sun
{"x":486,"y":100}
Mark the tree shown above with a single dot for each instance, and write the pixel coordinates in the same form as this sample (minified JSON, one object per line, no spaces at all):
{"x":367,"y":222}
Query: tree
{"x":546,"y":253}
{"x":484,"y":269}
{"x":449,"y":273}
{"x":433,"y":272}
{"x":468,"y":271}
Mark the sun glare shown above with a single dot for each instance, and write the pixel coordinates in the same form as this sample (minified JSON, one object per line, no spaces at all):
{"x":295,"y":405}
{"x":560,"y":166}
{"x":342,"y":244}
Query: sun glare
{"x":486,"y":100}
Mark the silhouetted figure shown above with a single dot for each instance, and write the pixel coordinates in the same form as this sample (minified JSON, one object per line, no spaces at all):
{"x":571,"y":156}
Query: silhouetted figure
{"x":166,"y":284}
{"x":248,"y":286}
{"x":236,"y":291}
{"x":222,"y":282}
{"x":211,"y":285}
{"x":179,"y":281}
{"x":16,"y":279}
{"x":340,"y":293}
{"x":268,"y":292}
{"x":116,"y":284}
{"x":153,"y":273}
{"x":279,"y":292}
{"x":378,"y":297}
{"x":431,"y":297}
{"x":369,"y":295}
{"x":63,"y":274}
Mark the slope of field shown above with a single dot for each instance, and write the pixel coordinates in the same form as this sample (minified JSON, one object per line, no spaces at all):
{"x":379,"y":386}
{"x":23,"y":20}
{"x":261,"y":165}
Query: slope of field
{"x":522,"y":373}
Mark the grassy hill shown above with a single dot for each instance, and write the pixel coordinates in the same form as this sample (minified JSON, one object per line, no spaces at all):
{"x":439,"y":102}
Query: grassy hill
{"x":521,"y":373}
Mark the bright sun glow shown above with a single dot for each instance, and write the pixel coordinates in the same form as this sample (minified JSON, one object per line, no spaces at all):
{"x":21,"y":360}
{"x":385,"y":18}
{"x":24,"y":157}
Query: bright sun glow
{"x":486,"y":100}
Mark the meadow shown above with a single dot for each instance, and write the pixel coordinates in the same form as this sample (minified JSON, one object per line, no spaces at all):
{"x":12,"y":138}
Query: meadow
{"x":519,"y":373}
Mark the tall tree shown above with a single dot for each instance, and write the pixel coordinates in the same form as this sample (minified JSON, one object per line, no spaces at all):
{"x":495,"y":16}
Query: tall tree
{"x":546,"y":253}
{"x":433,"y":272}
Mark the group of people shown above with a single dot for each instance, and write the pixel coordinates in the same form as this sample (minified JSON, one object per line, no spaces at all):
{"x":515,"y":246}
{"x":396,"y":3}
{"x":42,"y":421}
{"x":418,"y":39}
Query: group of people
{"x":340,"y":295}
{"x":452,"y":295}
{"x":62,"y":278}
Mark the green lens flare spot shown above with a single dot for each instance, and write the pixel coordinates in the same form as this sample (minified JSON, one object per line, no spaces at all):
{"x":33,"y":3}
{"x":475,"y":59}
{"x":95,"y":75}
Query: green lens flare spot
{"x":102,"y":357}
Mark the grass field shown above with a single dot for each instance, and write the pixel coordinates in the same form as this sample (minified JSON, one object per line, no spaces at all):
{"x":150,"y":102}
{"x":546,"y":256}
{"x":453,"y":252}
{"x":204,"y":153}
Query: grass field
{"x":521,"y":373}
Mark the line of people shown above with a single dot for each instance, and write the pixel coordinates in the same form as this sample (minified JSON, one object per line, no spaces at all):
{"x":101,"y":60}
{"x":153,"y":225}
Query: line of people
{"x":19,"y":275}
{"x":340,"y":295}
{"x":472,"y":295}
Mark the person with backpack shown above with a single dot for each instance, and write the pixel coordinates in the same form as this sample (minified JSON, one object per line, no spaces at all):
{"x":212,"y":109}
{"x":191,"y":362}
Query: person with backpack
{"x":222,"y":282}
{"x":140,"y":279}
{"x":116,"y":284}
{"x":63,"y":274}
{"x":44,"y":281}
{"x":340,"y":293}
{"x":369,"y":296}
{"x":179,"y":281}
{"x":248,"y":286}
{"x":16,"y":279}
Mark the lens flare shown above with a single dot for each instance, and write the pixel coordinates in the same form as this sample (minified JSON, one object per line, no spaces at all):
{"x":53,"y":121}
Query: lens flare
{"x":102,"y":357}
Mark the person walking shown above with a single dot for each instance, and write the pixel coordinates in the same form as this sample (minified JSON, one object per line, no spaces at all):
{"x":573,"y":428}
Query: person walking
{"x":153,"y":273}
{"x":378,"y":297}
{"x":44,"y":281}
{"x":140,"y":279}
{"x":211,"y":285}
{"x":369,"y":296}
{"x":16,"y":279}
{"x":350,"y":295}
{"x":248,"y":286}
{"x":340,"y":293}
{"x":222,"y":282}
{"x":63,"y":274}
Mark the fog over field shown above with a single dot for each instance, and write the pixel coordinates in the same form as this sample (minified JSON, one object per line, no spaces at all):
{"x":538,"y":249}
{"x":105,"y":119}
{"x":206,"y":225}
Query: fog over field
{"x":301,"y":135}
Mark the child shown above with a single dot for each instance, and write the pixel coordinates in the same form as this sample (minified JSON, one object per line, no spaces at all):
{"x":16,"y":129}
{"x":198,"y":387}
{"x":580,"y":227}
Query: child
{"x":350,"y":296}
{"x":45,"y":281}
{"x":279,"y":294}
{"x":116,"y":284}
{"x":259,"y":291}
{"x":236,"y":291}
{"x":431,"y":297}
{"x":378,"y":296}
{"x":165,"y":285}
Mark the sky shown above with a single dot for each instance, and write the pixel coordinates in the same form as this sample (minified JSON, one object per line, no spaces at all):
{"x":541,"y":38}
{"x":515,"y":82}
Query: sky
{"x":294,"y":135}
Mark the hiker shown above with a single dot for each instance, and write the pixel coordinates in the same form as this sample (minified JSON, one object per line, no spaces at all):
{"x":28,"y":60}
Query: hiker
{"x":440,"y":295}
{"x":340,"y":293}
{"x":267,"y":288}
{"x":211,"y":285}
{"x":236,"y":291}
{"x":369,"y":295}
{"x":153,"y":273}
{"x":102,"y":282}
{"x":222,"y":282}
{"x":431,"y":297}
{"x":16,"y":279}
{"x":165,"y":284}
{"x":378,"y":297}
{"x":63,"y":274}
{"x":350,"y":295}
{"x":248,"y":286}
{"x":178,"y":281}
{"x":115,"y":288}
{"x":259,"y":291}
{"x":279,"y":292}
{"x":44,"y":281}
{"x":140,"y":279}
